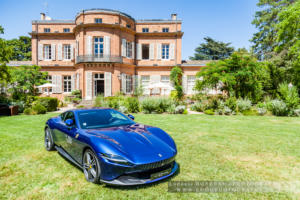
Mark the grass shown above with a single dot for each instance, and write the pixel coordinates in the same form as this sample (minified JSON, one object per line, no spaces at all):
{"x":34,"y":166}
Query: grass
{"x":219,"y":148}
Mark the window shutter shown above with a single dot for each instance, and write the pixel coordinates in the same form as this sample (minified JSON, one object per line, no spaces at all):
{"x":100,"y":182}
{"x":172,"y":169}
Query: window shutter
{"x":155,"y":79}
{"x":76,"y":50}
{"x":59,"y":84}
{"x":54,"y":82}
{"x":88,"y":45}
{"x":107,"y":84}
{"x":184,"y":83}
{"x":77,"y":81}
{"x":72,"y":51}
{"x":124,"y":47}
{"x":88,"y":85}
{"x":133,"y":50}
{"x":138,"y":51}
{"x":151,"y":52}
{"x":59,"y":52}
{"x":158,"y":56}
{"x":172,"y":51}
{"x":73,"y":82}
{"x":124,"y":83}
{"x":40,"y":51}
{"x":53,"y":50}
{"x":106,"y":46}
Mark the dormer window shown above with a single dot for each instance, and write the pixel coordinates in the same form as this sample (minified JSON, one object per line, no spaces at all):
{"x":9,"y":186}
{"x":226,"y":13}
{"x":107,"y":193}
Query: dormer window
{"x":66,"y":30}
{"x":145,"y":30}
{"x":98,"y":20}
{"x":165,"y":30}
{"x":47,"y":30}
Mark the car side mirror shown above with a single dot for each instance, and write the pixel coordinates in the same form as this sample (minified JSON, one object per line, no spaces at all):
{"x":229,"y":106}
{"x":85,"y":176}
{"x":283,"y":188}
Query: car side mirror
{"x":131,"y":116}
{"x":69,"y":122}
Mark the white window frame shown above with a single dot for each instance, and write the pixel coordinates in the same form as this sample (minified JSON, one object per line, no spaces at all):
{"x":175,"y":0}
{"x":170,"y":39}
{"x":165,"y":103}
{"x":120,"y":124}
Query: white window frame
{"x":145,"y":80}
{"x":67,"y":51}
{"x":128,"y":49}
{"x":191,"y":82}
{"x":165,"y":79}
{"x":47,"y":52}
{"x":67,"y":81}
{"x":99,"y":46}
{"x":49,"y":79}
{"x":128,"y":84}
{"x":165,"y":51}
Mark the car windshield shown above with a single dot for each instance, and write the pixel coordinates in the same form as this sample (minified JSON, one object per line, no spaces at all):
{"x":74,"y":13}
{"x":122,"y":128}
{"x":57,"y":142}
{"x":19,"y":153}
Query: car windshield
{"x":102,"y":118}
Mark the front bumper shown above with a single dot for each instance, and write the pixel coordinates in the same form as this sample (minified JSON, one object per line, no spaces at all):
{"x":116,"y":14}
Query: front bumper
{"x":142,"y":177}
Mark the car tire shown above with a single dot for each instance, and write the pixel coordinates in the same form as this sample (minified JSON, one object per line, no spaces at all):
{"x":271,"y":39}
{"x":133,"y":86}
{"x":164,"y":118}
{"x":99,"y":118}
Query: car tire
{"x":91,"y":166}
{"x":49,"y":143}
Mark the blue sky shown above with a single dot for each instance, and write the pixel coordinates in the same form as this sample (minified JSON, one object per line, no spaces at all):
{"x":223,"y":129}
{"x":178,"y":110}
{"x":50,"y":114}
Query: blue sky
{"x":223,"y":20}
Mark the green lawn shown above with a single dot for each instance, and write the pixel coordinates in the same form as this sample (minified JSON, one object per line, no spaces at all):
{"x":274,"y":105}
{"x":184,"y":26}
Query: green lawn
{"x":209,"y":148}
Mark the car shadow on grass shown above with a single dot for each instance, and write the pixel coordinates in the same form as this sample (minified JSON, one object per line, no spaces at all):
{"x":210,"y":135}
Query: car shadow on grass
{"x":131,"y":187}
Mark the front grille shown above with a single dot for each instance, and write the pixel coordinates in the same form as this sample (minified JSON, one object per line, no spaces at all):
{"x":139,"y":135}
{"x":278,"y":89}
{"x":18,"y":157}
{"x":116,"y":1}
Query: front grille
{"x":154,"y":165}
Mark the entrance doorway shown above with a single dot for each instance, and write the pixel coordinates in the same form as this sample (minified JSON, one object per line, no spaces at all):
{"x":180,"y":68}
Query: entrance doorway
{"x":98,"y":84}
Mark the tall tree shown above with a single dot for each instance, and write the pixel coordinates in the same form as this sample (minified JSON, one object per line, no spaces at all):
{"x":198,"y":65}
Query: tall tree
{"x":241,"y":75}
{"x":25,"y":79}
{"x":212,"y":50}
{"x":265,"y":21}
{"x":288,"y":39}
{"x":21,"y":48}
{"x":5,"y":52}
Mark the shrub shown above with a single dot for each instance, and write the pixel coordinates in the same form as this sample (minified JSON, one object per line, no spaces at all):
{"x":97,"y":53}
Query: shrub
{"x":77,"y":93}
{"x":227,"y":110}
{"x":80,"y":106}
{"x":261,"y":111}
{"x":289,"y":95}
{"x":243,"y":104}
{"x":296,"y":112}
{"x":76,"y":100}
{"x":156,"y":104}
{"x":49,"y":103}
{"x":123,"y":109}
{"x":278,"y":108}
{"x":149,"y":105}
{"x":28,"y":111}
{"x":39,"y":108}
{"x":99,"y":101}
{"x":250,"y":112}
{"x":197,"y":107}
{"x":114,"y":102}
{"x":163,"y":104}
{"x":132,"y":104}
{"x":209,"y":112}
{"x":171,"y":109}
{"x":179,"y":109}
{"x":185,"y":112}
{"x":231,"y":103}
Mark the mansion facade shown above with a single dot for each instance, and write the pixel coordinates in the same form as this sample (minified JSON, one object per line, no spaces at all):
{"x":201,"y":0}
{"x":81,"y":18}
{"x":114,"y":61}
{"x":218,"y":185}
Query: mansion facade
{"x":106,"y":52}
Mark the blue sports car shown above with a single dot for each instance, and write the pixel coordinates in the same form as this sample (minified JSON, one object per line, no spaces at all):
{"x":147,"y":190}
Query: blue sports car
{"x":110,"y":147}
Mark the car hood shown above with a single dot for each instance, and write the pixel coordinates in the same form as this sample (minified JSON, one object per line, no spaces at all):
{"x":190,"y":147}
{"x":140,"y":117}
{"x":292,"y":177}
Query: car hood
{"x":138,"y":143}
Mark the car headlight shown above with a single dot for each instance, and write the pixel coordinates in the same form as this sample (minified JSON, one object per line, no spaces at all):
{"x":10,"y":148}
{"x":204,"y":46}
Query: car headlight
{"x":116,"y":159}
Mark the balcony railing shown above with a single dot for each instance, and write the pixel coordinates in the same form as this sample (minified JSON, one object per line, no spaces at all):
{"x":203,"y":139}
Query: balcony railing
{"x":98,"y":58}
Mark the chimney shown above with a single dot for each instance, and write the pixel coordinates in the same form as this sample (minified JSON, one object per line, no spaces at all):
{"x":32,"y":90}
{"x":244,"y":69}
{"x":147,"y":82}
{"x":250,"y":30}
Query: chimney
{"x":43,"y":16}
{"x":174,"y":16}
